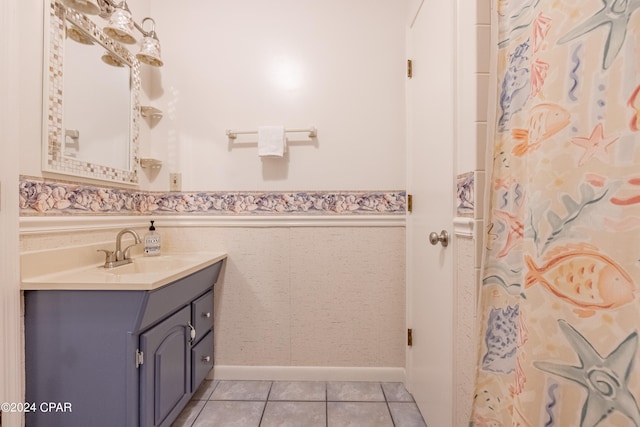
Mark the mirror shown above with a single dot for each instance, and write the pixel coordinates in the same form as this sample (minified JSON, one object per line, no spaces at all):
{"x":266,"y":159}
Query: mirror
{"x":91,"y":100}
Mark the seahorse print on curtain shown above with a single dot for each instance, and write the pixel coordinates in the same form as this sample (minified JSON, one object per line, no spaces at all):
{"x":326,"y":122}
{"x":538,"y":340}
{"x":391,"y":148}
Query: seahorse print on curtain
{"x":559,"y":307}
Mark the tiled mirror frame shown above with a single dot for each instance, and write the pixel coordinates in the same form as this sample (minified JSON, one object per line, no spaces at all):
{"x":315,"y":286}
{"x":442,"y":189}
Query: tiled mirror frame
{"x":52,"y":155}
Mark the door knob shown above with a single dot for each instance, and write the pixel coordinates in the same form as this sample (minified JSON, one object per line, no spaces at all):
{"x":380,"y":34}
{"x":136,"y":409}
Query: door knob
{"x":443,"y":238}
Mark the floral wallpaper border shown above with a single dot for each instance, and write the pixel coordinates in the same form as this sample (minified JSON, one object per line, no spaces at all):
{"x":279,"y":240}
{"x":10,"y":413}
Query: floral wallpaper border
{"x":39,"y":197}
{"x":465,"y":201}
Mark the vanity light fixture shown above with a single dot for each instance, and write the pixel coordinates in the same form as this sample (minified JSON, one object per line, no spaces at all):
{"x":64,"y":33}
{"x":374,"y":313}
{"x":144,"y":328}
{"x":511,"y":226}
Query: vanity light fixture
{"x":150,"y":47}
{"x":121,"y":28}
{"x":110,"y":59}
{"x":89,"y":7}
{"x":75,"y":34}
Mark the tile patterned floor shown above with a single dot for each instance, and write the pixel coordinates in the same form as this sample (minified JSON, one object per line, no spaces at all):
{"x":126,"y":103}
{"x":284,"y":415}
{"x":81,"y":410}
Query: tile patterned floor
{"x":300,"y":404}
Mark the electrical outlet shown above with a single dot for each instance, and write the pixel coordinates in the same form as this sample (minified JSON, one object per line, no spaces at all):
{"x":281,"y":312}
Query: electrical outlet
{"x":175,"y":182}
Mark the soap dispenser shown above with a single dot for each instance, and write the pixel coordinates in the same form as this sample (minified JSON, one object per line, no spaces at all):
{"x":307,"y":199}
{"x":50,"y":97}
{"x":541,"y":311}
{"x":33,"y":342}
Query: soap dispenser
{"x":152,"y":242}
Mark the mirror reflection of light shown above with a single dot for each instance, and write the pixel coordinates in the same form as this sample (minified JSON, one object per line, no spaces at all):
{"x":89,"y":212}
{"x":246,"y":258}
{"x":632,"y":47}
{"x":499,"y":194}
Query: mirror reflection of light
{"x":287,"y":74}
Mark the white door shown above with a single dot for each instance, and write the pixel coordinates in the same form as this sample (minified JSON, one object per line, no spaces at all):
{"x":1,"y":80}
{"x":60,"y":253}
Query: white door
{"x":430,"y":131}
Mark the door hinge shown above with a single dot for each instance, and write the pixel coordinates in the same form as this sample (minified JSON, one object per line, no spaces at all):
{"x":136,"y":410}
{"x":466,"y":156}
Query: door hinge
{"x":409,"y":337}
{"x":409,"y":68}
{"x":409,"y":202}
{"x":139,"y":358}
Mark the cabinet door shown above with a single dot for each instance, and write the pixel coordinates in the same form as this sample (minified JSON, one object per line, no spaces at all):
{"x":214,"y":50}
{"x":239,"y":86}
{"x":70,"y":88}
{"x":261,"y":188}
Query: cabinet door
{"x":165,"y":375}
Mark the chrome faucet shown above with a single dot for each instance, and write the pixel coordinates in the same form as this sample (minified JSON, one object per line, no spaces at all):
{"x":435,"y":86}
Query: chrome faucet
{"x":124,"y":255}
{"x":119,"y":256}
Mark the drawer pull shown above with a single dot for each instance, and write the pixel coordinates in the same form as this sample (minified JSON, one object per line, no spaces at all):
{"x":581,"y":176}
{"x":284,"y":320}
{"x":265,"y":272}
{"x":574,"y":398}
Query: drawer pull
{"x":206,"y":359}
{"x":192,"y":333}
{"x":206,"y":315}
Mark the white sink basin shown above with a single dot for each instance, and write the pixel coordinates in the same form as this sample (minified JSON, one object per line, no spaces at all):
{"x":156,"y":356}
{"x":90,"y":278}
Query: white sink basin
{"x":144,"y":273}
{"x":150,"y":265}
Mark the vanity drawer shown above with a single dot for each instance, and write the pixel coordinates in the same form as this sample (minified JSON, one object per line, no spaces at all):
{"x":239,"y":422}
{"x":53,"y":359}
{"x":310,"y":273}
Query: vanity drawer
{"x":201,"y":360}
{"x":202,"y":315}
{"x":175,"y":295}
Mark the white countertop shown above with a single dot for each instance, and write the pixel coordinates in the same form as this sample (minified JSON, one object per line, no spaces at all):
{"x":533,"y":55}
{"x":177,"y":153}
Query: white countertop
{"x":145,"y":273}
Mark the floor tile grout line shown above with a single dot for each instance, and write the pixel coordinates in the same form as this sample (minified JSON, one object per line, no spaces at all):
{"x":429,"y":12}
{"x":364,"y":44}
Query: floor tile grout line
{"x":269,"y":392}
{"x":264,"y":408}
{"x":390,"y":414}
{"x":215,"y":386}
{"x":386,"y":401}
{"x":199,"y":412}
{"x":383,"y":393}
{"x":203,"y":405}
{"x":326,"y":403}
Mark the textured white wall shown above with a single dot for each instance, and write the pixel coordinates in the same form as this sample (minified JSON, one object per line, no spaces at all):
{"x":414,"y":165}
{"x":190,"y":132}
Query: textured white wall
{"x":241,"y":64}
{"x":301,"y":296}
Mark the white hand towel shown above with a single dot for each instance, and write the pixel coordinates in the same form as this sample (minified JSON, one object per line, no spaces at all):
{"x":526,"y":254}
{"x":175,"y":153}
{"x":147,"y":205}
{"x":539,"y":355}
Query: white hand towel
{"x":271,"y":141}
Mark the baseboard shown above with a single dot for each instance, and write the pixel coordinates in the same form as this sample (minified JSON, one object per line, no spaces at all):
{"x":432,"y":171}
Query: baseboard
{"x":307,"y":373}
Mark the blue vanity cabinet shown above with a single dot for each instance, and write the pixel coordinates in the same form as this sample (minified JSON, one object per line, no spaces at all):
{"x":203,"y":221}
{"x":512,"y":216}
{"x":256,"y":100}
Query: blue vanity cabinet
{"x":118,"y":358}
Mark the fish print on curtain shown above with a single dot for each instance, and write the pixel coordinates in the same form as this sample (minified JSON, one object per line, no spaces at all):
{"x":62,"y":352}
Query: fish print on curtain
{"x":559,"y":301}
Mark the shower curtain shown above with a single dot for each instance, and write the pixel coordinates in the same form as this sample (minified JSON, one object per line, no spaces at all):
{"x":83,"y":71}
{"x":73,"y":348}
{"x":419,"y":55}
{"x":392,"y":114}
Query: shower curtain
{"x":559,"y":303}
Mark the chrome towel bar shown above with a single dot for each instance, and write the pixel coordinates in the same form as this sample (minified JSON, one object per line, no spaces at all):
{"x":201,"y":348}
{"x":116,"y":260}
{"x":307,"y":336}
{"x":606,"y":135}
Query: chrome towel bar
{"x":233,"y":134}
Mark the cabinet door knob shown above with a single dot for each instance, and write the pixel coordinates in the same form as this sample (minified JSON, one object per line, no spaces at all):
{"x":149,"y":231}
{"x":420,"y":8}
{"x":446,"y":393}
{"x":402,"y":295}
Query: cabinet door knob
{"x":206,"y":359}
{"x":193,"y":332}
{"x":207,"y":314}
